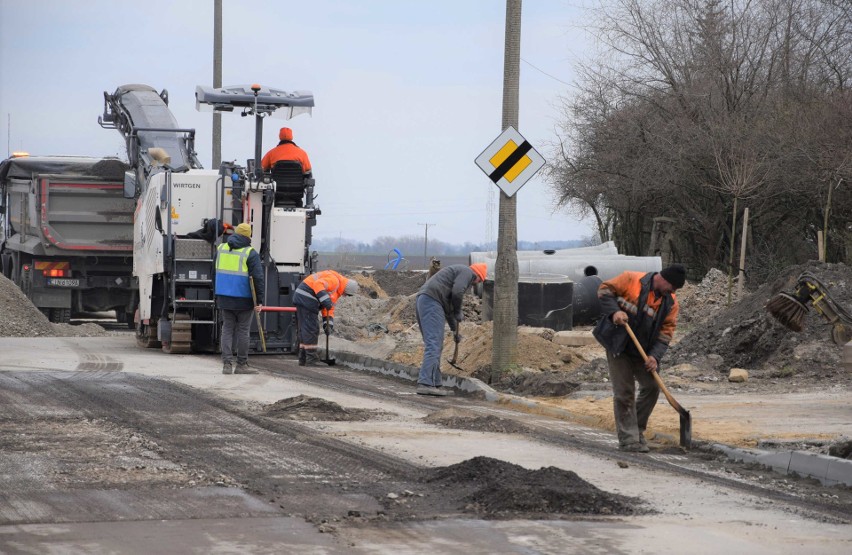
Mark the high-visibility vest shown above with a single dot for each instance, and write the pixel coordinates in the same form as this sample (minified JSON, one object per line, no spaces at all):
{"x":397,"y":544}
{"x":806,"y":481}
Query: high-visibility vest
{"x":232,"y":277}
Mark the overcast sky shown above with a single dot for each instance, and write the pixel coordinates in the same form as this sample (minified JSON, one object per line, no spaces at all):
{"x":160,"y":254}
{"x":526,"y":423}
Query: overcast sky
{"x":407,"y":95}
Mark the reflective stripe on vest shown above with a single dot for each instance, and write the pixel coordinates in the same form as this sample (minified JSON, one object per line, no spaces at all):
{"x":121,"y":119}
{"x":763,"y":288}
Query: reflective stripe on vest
{"x":232,"y":278}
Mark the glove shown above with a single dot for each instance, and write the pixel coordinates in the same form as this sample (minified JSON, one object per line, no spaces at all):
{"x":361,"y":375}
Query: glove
{"x":328,"y":325}
{"x":459,"y":317}
{"x":457,"y":337}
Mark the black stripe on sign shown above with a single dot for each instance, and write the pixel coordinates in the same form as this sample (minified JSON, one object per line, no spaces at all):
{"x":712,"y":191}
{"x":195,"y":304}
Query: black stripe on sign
{"x":510,"y":162}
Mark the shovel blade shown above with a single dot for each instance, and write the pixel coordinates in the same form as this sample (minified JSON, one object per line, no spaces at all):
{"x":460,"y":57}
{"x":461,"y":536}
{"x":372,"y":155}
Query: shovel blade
{"x":685,"y":429}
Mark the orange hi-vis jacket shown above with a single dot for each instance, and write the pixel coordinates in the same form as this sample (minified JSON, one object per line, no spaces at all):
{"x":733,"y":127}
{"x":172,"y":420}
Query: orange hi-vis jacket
{"x":327,"y":286}
{"x":623,"y":293}
{"x":286,"y":150}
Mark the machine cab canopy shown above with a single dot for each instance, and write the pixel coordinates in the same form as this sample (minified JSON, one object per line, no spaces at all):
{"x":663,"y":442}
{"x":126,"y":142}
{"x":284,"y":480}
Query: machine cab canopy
{"x":274,"y":102}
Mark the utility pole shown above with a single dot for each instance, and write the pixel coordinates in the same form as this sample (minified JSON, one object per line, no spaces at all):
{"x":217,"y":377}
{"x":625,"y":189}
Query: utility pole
{"x":426,"y":246}
{"x":217,"y":81}
{"x":505,"y":346}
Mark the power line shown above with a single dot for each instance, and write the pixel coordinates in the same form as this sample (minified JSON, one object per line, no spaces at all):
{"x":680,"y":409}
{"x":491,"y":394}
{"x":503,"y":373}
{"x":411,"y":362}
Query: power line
{"x":545,"y":73}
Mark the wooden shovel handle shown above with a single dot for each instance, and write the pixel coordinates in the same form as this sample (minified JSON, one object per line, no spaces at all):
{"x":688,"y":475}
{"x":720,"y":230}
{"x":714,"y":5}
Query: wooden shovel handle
{"x":657,"y":378}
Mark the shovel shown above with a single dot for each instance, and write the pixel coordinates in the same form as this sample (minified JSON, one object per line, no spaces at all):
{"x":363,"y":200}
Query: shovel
{"x":452,"y":361}
{"x":685,"y":417}
{"x":256,"y":313}
{"x":328,"y":360}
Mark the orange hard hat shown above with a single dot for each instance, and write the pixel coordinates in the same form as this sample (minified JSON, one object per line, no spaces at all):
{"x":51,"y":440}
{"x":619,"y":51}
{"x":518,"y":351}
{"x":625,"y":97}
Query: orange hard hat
{"x":285,"y":134}
{"x":480,"y":270}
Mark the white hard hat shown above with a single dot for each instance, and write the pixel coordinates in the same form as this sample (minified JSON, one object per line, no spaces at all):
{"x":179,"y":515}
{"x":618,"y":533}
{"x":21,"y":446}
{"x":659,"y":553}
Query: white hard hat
{"x":352,"y":287}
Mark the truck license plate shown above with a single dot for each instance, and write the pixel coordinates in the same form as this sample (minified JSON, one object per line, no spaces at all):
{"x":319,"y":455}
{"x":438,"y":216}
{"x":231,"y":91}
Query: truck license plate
{"x":63,"y":282}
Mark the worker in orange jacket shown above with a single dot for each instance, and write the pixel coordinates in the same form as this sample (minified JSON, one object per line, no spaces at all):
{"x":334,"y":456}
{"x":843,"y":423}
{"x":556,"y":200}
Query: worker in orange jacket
{"x":645,"y":301}
{"x":286,"y":150}
{"x":318,"y":293}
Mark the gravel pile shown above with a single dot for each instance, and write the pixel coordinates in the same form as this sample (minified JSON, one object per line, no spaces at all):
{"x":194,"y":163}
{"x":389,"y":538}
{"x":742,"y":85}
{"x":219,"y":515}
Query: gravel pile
{"x":20,"y":318}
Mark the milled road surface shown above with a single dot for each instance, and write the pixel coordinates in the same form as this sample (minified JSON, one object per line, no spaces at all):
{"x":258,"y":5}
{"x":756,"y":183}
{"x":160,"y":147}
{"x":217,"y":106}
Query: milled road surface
{"x":108,"y":447}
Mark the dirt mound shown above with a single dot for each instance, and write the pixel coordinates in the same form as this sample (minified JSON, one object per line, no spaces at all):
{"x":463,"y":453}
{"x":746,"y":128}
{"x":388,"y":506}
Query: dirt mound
{"x":304,"y":408}
{"x":369,"y":287}
{"x":20,"y":318}
{"x":461,"y":419}
{"x":712,"y":338}
{"x":746,"y":336}
{"x":497,"y":489}
{"x":399,"y":283}
{"x":701,"y":301}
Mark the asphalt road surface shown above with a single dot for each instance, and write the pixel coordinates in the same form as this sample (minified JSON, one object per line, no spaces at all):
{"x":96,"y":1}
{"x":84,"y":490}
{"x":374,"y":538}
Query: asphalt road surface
{"x":109,"y":448}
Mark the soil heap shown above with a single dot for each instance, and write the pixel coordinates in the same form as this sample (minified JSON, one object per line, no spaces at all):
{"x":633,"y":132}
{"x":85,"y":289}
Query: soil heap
{"x":712,"y":337}
{"x":20,"y":318}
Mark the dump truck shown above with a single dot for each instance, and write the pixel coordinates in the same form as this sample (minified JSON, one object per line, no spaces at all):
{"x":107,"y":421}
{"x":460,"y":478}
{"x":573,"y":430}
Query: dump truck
{"x":66,"y":234}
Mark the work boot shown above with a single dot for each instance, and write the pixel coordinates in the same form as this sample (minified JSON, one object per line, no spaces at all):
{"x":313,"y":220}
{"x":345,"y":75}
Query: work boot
{"x":227,"y":367}
{"x":634,"y":448}
{"x":243,"y":368}
{"x":431,"y":390}
{"x":312,"y":358}
{"x":302,"y":357}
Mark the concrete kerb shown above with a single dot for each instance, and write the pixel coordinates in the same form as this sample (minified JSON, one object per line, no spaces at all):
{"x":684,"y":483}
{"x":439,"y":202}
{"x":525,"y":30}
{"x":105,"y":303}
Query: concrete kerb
{"x":829,"y":471}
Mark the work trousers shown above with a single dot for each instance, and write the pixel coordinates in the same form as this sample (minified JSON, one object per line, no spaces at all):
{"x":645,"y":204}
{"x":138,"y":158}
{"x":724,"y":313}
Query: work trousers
{"x":308,"y":321}
{"x":236,"y":326}
{"x":632,"y":411}
{"x":430,"y":318}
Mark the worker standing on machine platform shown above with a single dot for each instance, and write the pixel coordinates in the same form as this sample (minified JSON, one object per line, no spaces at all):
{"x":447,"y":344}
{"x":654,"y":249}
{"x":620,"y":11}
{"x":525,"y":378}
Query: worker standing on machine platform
{"x":439,"y":300}
{"x":237,"y":263}
{"x":286,"y":150}
{"x":318,"y":292}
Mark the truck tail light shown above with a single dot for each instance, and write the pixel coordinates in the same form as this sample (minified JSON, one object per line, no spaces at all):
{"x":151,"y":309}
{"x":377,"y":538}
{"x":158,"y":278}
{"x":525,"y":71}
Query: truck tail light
{"x":56,"y":273}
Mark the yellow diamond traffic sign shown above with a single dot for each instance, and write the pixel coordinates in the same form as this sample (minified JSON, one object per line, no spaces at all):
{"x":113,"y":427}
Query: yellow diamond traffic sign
{"x":510,"y":161}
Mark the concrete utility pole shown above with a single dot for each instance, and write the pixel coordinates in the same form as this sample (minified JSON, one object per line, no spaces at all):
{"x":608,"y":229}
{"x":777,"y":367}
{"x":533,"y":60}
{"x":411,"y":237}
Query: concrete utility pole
{"x":426,"y":246}
{"x":505,"y":346}
{"x":217,"y":81}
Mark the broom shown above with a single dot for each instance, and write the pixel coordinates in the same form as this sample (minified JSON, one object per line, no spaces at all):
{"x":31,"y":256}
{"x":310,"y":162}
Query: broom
{"x":788,"y":310}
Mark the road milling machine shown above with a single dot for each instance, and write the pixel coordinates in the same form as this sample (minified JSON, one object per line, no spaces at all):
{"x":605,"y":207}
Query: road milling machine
{"x":177,"y":201}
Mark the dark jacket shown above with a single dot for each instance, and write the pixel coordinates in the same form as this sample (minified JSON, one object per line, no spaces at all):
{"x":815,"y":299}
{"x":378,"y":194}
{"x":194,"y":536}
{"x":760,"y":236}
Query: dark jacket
{"x":614,"y":296}
{"x":448,"y":287}
{"x":255,"y":270}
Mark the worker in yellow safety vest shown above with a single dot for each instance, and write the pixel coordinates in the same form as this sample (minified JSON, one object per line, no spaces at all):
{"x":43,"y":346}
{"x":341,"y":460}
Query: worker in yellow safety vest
{"x":236,"y":261}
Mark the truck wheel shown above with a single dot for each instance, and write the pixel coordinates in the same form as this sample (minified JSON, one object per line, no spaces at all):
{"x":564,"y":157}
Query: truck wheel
{"x":60,"y":315}
{"x":6,"y":262}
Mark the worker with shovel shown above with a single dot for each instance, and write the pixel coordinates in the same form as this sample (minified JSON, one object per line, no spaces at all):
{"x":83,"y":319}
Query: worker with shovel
{"x":646,"y":303}
{"x":237,"y":264}
{"x":439,"y":300}
{"x":318,"y":293}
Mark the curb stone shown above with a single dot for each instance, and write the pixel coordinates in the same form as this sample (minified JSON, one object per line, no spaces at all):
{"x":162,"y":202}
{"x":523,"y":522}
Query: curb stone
{"x":830,"y":471}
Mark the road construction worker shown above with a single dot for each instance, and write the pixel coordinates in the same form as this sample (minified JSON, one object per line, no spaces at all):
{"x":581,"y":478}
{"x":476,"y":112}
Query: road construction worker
{"x":212,"y":230}
{"x":237,"y":263}
{"x":434,"y":267}
{"x":286,"y":150}
{"x":317,"y":294}
{"x":440,"y":300}
{"x":645,"y":301}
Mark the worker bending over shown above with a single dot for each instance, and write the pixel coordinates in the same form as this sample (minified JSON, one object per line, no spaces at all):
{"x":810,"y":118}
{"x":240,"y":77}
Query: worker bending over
{"x":318,"y":293}
{"x":440,"y":300}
